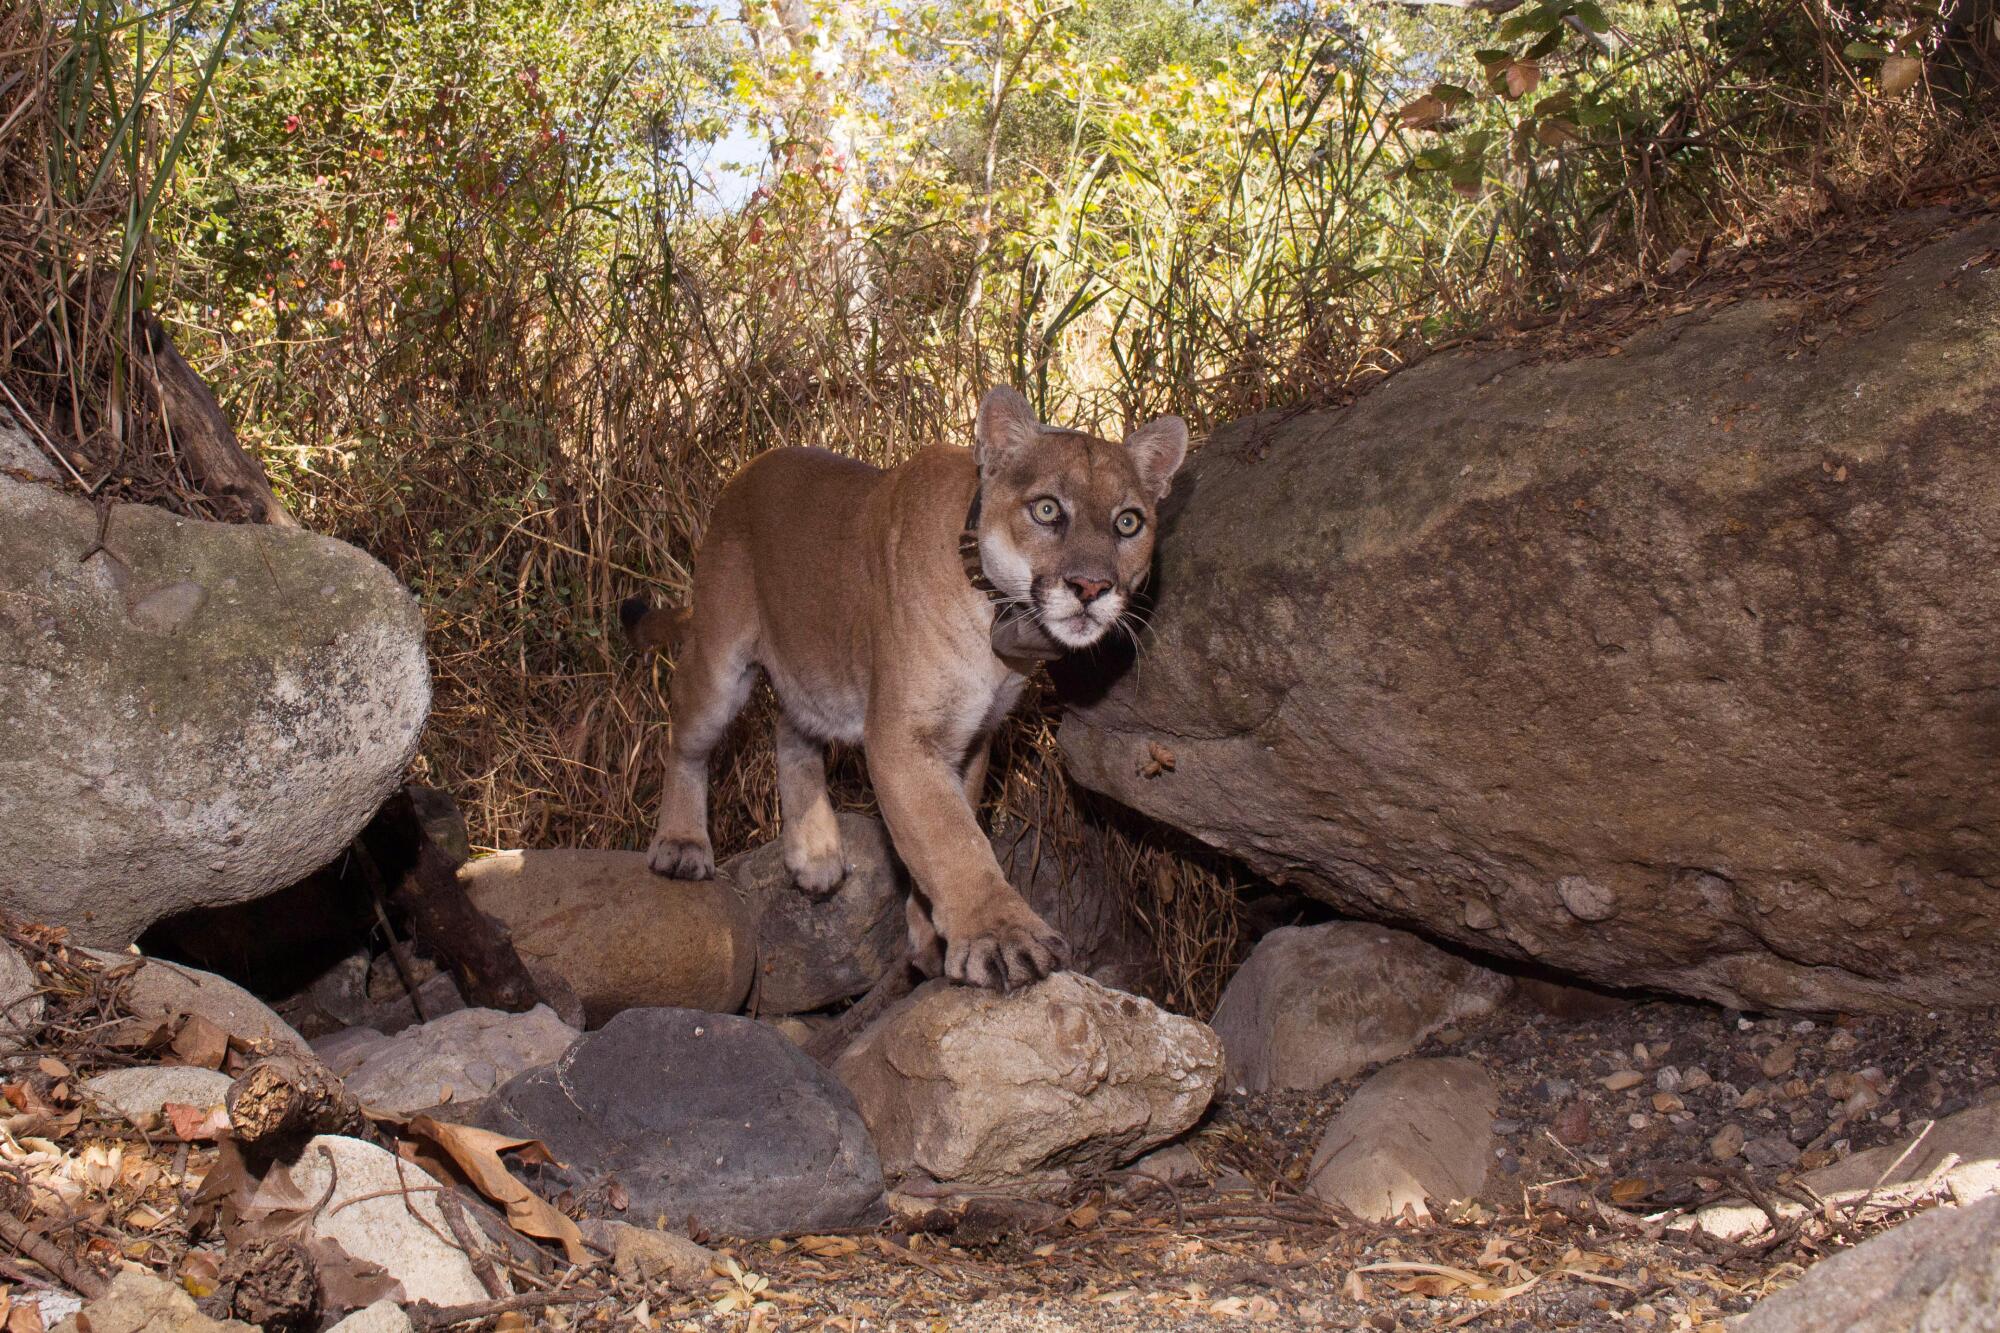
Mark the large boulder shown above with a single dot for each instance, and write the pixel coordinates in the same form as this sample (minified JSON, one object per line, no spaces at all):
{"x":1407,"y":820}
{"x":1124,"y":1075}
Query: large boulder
{"x":617,"y":934}
{"x":1315,"y":1003}
{"x":1936,"y":1273}
{"x":708,"y":1116}
{"x":1413,"y":1138}
{"x":815,"y":952}
{"x":967,"y":1085}
{"x":197,"y":713}
{"x":1673,"y":670}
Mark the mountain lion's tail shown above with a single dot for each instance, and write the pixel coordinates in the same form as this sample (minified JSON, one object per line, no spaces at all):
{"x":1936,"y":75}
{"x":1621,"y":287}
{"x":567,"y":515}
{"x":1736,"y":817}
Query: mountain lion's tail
{"x":651,"y":628}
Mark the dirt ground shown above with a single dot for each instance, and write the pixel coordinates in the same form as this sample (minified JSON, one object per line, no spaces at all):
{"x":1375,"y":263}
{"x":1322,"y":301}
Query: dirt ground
{"x":1574,"y":1235}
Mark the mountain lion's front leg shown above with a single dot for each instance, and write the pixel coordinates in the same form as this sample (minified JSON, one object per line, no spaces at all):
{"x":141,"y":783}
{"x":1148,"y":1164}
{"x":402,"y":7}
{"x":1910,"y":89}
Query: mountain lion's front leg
{"x":991,"y":936}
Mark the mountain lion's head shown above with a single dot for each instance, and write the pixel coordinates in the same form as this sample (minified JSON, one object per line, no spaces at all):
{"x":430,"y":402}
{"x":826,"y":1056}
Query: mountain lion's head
{"x":1066,"y":519}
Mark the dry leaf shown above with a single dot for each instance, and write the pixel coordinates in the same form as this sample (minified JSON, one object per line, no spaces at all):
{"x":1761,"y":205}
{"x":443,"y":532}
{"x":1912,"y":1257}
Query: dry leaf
{"x":476,"y":1152}
{"x":1522,"y":77}
{"x":201,"y":1043}
{"x":1900,"y":74}
{"x":197,"y":1123}
{"x":25,"y":1318}
{"x":1423,"y":113}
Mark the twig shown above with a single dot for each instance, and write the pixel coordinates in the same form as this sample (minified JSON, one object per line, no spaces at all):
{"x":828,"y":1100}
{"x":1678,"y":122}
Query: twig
{"x":427,"y":1316}
{"x":84,"y":1281}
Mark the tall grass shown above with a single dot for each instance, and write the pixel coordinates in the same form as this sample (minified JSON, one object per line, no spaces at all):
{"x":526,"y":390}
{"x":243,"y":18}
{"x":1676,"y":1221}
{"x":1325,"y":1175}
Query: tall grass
{"x":457,"y":291}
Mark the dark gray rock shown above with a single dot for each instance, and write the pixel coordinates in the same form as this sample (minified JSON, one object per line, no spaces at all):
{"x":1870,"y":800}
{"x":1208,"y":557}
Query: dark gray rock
{"x":700,"y":1115}
{"x":1672,"y":670}
{"x":815,"y":952}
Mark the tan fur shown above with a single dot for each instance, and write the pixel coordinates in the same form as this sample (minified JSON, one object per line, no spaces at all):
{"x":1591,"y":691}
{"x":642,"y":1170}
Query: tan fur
{"x":844,"y":583}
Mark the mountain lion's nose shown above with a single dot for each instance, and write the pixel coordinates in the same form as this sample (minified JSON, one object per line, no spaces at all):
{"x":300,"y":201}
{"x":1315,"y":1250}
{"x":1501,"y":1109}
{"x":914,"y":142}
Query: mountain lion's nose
{"x":1088,"y":590}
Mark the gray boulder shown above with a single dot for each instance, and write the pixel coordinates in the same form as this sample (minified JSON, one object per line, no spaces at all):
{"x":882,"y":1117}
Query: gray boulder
{"x":815,"y":952}
{"x":198,"y":713}
{"x":969,"y":1085}
{"x":460,"y":1057}
{"x":701,"y":1115}
{"x":615,"y":933}
{"x":21,"y":1005}
{"x":1416,"y":1136}
{"x":1939,"y":1272}
{"x":1316,"y":1003}
{"x":1672,"y":670}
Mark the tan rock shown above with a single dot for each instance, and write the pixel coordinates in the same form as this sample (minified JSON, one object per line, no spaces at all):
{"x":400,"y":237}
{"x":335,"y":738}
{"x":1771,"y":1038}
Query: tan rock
{"x":1318,"y":1003}
{"x":161,"y":989}
{"x":1415,"y":1136}
{"x":644,"y":1254}
{"x":141,"y":1303}
{"x":971,"y":1085}
{"x":621,"y":936}
{"x":1971,"y":1139}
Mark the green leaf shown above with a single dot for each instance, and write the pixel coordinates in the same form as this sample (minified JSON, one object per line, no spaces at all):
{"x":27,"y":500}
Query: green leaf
{"x":1866,"y":51}
{"x":1592,"y":16}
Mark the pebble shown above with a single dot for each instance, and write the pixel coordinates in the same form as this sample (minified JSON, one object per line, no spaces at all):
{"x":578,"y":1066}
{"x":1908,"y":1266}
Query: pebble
{"x":1770,"y":1150}
{"x":1506,"y":1127}
{"x":1778,"y":1061}
{"x":1728,"y":1142}
{"x":1668,"y":1079}
{"x":1556,"y":1089}
{"x":1638,"y":1120}
{"x":1841,"y":1040}
{"x":1695,"y":1078}
{"x":1666,"y":1103}
{"x":1623,"y":1079}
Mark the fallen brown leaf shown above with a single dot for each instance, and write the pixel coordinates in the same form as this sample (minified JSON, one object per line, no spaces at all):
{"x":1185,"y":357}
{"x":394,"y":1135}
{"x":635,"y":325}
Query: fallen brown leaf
{"x":476,"y":1152}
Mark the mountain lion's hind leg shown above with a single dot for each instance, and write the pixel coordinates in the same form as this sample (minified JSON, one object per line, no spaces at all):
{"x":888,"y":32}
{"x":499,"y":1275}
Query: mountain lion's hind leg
{"x":812,"y":834}
{"x":712,"y":681}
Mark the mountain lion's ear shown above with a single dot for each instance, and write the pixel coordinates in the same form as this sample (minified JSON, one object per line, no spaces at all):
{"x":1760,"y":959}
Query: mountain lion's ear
{"x":1157,"y":450}
{"x":1006,"y":424}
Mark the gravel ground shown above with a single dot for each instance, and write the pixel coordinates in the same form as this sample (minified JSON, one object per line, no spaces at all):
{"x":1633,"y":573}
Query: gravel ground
{"x":1612,"y":1119}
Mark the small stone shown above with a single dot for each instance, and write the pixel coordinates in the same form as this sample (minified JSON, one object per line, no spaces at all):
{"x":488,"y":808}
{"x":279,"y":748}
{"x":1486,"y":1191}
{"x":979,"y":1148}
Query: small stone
{"x":1841,"y":1040}
{"x":1506,"y":1127}
{"x":1666,"y":1103}
{"x":1668,"y":1079}
{"x":641,"y":1254}
{"x":1753,"y":1098}
{"x":1778,"y":1061}
{"x":1622,"y":1080}
{"x":138,"y":1302}
{"x":1638,"y":1120}
{"x":1556,"y":1089}
{"x":1695,"y":1078}
{"x":381,"y":1317}
{"x":1771,"y":1150}
{"x":1794,"y":1089}
{"x":1727,"y":1143}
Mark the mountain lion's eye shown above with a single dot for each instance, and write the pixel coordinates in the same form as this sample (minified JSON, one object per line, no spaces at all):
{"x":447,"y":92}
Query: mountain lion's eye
{"x":1129,"y":523}
{"x":1045,"y":511}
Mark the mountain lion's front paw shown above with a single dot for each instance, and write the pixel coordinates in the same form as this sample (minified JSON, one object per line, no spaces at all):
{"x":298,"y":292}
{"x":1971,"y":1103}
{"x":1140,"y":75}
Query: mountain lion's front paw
{"x":819,"y":877}
{"x":1005,"y":951}
{"x":681,"y":858}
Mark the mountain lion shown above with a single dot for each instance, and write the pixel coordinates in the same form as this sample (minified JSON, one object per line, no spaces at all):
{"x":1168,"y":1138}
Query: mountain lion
{"x":904,"y":609}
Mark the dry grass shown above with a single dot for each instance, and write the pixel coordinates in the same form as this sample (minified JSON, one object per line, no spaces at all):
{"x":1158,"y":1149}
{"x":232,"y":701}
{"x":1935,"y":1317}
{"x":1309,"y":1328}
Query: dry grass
{"x":525,"y":462}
